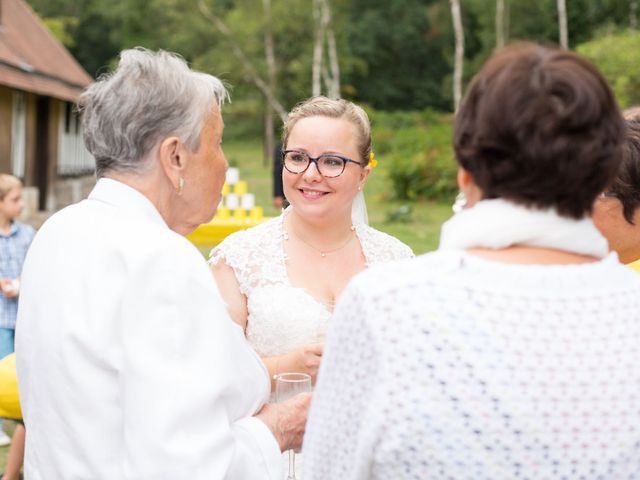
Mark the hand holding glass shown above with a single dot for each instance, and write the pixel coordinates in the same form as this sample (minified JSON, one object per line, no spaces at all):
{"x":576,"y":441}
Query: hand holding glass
{"x":288,"y":385}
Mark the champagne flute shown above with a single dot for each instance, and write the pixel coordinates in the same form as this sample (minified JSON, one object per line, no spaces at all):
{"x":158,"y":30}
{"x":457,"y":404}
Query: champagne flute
{"x":288,"y":385}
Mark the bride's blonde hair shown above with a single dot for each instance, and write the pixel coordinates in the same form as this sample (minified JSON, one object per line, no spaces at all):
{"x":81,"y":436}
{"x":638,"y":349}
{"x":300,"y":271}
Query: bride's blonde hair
{"x":325,"y":107}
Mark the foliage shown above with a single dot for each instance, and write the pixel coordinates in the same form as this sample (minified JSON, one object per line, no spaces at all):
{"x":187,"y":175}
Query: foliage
{"x":394,"y":54}
{"x":416,"y":153}
{"x":617,"y":55}
{"x":398,"y":68}
{"x":60,"y":27}
{"x":84,"y":27}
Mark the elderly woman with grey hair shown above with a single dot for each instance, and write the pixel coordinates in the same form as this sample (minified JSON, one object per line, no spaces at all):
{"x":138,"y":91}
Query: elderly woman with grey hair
{"x":129,"y":365}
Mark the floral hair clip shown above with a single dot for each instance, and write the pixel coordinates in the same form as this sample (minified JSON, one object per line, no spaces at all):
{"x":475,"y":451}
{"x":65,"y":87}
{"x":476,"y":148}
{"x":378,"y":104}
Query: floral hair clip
{"x":373,"y":162}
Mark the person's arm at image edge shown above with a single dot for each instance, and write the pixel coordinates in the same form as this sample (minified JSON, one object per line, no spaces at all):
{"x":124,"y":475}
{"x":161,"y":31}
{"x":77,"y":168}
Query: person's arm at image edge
{"x":178,"y":363}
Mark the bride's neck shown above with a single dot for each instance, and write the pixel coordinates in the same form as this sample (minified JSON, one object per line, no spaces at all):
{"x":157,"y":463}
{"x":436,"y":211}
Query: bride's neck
{"x":327,"y":232}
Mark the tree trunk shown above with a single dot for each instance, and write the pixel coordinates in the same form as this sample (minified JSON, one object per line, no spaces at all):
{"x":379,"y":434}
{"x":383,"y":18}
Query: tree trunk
{"x":334,"y":87}
{"x":244,"y":60}
{"x":318,"y":48}
{"x":500,"y":24}
{"x":507,"y":20}
{"x":320,"y":73}
{"x":633,"y":14}
{"x":562,"y":24}
{"x":268,"y":143}
{"x":271,"y":78}
{"x":459,"y":55}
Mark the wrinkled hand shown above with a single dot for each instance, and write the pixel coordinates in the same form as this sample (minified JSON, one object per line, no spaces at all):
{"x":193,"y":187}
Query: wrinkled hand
{"x":287,"y":420}
{"x":307,"y":359}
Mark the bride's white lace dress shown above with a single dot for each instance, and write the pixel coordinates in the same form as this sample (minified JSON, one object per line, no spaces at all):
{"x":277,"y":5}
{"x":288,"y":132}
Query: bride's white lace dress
{"x":283,"y":317}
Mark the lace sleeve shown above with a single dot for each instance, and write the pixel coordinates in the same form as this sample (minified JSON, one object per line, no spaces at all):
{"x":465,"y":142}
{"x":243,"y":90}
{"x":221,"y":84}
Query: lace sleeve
{"x":255,"y":255}
{"x":225,"y":250}
{"x":380,"y":247}
{"x":400,"y":251}
{"x":232,"y":250}
{"x":338,"y":443}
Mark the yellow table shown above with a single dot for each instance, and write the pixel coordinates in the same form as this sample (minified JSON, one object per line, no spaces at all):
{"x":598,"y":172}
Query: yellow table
{"x":212,"y":233}
{"x":635,"y":265}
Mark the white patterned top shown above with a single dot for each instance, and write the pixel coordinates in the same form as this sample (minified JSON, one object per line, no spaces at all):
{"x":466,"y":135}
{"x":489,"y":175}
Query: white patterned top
{"x":283,"y":317}
{"x":451,"y":366}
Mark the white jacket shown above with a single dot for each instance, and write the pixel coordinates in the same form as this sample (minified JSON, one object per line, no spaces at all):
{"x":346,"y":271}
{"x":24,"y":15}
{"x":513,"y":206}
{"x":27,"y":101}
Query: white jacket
{"x":129,"y":366}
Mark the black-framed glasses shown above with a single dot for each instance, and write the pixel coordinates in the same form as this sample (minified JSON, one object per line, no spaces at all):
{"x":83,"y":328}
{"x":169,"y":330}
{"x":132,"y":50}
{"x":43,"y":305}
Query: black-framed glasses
{"x":328,"y":164}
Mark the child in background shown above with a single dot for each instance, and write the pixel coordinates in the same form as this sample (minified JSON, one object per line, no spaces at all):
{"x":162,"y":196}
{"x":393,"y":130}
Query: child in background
{"x":15,"y":239}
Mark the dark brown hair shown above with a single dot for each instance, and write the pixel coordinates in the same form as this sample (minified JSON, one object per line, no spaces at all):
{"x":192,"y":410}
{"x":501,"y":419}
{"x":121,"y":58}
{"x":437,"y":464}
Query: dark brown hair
{"x":540,"y":127}
{"x":626,"y":185}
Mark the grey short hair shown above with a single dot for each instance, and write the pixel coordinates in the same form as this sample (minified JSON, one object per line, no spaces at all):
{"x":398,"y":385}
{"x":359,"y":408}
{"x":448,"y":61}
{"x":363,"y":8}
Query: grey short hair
{"x":150,"y":96}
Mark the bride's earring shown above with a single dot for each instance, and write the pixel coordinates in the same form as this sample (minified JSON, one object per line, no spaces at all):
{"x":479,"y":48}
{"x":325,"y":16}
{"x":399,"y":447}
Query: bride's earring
{"x":459,"y":203}
{"x":180,"y":186}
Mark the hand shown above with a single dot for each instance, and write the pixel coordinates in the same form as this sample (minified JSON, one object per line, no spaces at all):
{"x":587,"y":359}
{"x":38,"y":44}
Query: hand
{"x":8,"y":287}
{"x":287,"y":420}
{"x":307,"y":359}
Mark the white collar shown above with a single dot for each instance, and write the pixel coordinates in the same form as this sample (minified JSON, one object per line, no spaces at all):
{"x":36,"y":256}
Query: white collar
{"x":498,"y":223}
{"x":120,"y":195}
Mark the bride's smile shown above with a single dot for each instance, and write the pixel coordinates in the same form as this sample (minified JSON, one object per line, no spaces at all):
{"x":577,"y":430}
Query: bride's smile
{"x":325,"y":152}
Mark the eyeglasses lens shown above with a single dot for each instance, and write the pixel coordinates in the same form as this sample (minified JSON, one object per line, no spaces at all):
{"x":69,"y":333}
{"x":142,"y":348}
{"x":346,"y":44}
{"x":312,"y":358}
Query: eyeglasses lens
{"x":329,"y":166}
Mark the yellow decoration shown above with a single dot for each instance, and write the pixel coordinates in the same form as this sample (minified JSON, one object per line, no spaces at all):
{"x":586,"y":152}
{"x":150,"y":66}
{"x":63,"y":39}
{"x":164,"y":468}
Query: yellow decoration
{"x":227,"y":220}
{"x":241,"y":188}
{"x":256,"y":213}
{"x":9,"y":401}
{"x":373,"y":163}
{"x":212,"y":233}
{"x":223,"y":213}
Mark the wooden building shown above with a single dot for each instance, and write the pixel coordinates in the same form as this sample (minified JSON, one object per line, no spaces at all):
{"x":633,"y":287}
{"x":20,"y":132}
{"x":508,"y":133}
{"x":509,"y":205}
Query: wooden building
{"x":40,"y":133}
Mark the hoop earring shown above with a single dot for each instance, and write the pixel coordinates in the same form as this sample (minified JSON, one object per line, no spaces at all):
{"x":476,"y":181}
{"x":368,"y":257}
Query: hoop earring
{"x":180,"y":186}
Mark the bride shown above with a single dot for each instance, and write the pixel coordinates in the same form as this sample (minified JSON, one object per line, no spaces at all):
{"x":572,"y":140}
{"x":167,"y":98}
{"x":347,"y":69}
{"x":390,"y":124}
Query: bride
{"x":281,"y":279}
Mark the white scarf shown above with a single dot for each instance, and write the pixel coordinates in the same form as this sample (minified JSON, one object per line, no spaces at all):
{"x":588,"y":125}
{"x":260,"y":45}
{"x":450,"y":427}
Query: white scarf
{"x":499,"y":224}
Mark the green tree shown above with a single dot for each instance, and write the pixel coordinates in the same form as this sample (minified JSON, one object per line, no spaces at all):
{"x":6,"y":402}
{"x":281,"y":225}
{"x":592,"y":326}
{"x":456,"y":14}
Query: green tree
{"x":393,"y":54}
{"x":617,"y":55}
{"x":401,"y":61}
{"x":83,"y":27}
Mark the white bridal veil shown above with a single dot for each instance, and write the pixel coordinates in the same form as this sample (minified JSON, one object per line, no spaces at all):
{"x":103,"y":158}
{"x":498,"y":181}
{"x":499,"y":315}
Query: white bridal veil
{"x":359,"y":209}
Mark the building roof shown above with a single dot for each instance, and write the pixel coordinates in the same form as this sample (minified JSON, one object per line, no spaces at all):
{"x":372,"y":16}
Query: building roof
{"x":31,"y":59}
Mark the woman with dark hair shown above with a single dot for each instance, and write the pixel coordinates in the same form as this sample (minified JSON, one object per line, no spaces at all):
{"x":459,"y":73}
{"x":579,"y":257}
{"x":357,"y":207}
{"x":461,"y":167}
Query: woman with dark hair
{"x":617,"y":210}
{"x":512,"y":351}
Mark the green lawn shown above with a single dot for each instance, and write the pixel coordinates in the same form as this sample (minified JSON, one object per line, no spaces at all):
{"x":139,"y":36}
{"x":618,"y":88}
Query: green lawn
{"x":419,"y":228}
